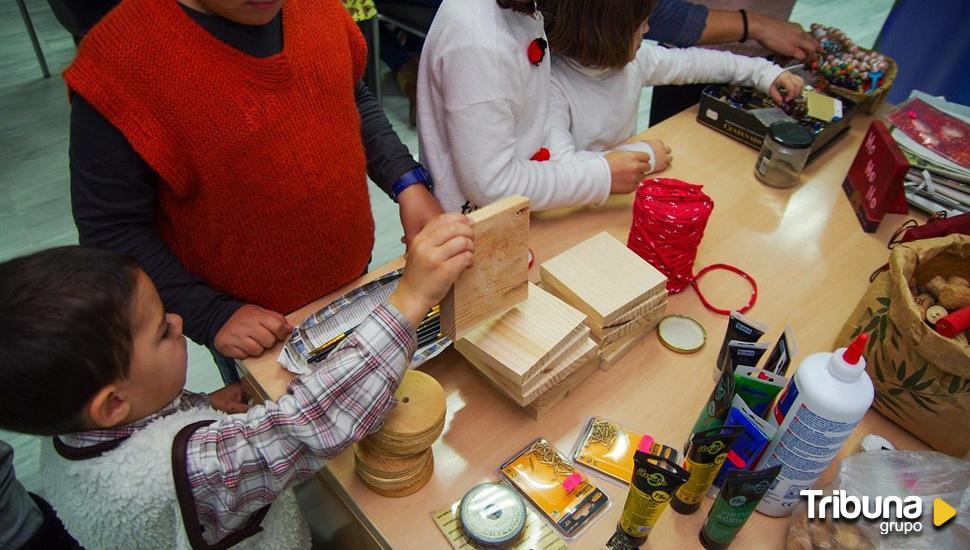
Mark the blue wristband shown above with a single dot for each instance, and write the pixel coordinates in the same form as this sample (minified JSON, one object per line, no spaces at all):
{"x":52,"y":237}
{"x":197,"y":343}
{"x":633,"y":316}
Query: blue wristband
{"x":415,"y":175}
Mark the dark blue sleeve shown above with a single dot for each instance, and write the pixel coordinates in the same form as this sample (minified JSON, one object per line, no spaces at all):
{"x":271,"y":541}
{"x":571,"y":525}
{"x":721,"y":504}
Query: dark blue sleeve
{"x":387,"y":157}
{"x":677,"y":22}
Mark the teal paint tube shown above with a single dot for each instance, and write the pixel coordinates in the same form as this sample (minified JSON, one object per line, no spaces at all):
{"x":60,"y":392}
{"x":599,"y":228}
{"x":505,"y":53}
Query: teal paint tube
{"x":758,"y":388}
{"x":739,"y":496}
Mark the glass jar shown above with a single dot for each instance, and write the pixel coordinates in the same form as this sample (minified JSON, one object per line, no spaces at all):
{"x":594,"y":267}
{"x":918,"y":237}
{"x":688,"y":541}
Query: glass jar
{"x":783,"y":154}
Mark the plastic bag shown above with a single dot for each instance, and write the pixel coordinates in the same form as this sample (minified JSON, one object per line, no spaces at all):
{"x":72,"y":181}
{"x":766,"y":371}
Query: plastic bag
{"x":928,"y":475}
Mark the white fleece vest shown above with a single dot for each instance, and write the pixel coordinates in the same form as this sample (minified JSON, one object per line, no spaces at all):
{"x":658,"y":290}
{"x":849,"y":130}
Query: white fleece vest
{"x":126,"y":497}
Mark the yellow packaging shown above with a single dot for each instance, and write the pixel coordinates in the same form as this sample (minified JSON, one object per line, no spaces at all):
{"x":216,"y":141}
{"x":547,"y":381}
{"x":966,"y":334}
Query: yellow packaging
{"x":538,"y":472}
{"x":608,"y":448}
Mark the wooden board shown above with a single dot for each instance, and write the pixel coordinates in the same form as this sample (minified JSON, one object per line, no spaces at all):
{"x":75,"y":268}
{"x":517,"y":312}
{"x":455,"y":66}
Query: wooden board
{"x":602,"y":278}
{"x":538,"y":408}
{"x":523,"y":340}
{"x":582,"y":351}
{"x":646,"y":307}
{"x":609,"y":355}
{"x":646,"y":322}
{"x":497,"y":281}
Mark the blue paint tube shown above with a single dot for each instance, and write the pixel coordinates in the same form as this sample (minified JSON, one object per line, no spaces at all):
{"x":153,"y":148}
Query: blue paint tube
{"x":758,"y":388}
{"x":749,"y":445}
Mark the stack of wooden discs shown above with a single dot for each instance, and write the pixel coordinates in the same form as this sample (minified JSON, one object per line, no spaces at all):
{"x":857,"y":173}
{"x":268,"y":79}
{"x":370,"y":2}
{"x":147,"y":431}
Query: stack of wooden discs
{"x":396,"y":460}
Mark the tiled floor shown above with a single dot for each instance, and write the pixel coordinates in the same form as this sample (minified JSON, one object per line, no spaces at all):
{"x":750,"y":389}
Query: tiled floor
{"x":34,"y":203}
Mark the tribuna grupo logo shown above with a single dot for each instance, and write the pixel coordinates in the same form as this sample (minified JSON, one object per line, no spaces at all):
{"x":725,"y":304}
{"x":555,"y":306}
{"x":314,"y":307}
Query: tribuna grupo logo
{"x":897,"y":514}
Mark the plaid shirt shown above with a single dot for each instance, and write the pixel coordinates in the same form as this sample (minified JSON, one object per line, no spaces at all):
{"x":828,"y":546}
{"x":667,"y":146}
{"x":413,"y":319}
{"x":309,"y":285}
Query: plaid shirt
{"x":244,"y":461}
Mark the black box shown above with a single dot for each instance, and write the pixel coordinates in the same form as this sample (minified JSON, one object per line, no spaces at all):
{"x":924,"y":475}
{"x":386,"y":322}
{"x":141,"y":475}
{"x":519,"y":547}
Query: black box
{"x":743,"y":126}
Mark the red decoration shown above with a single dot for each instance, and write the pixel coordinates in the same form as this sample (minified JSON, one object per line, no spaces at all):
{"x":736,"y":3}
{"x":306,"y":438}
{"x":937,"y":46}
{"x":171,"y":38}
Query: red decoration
{"x":541,"y":155}
{"x":874,"y":183}
{"x":537,"y":51}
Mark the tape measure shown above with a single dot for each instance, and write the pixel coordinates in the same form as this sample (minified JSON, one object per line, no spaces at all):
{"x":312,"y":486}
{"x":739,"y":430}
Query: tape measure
{"x":492,"y":515}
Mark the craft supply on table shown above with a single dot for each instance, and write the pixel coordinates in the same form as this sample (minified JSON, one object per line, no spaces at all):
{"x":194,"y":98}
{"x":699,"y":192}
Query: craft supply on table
{"x":669,"y":218}
{"x":547,"y":478}
{"x":681,"y":334}
{"x":532,"y":349}
{"x":397,"y":460}
{"x":492,"y":524}
{"x":815,"y":413}
{"x":739,"y":328}
{"x":786,"y":348}
{"x":739,"y":496}
{"x":750,"y":443}
{"x":874,"y":182}
{"x":499,"y":278}
{"x":707,"y":452}
{"x":757,"y":387}
{"x":745,"y":354}
{"x":622,"y":296}
{"x":783,"y":154}
{"x":608,"y":448}
{"x":319,"y":334}
{"x":655,"y":480}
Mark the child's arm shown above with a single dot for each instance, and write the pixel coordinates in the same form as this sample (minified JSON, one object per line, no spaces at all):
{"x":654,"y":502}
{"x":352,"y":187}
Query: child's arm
{"x":239,"y":464}
{"x":561,"y":144}
{"x":659,"y":66}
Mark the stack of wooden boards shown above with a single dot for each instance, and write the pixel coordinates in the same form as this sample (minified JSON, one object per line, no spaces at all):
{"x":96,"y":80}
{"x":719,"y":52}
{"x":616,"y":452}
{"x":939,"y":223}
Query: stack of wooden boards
{"x":622,"y":295}
{"x":397,"y":460}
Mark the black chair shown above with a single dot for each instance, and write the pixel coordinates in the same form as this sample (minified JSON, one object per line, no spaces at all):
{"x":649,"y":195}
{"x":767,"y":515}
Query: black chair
{"x":414,"y":20}
{"x":78,"y":16}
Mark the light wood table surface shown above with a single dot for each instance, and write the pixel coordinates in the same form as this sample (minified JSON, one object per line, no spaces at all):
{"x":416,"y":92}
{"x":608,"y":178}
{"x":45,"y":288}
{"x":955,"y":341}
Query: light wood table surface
{"x":804,"y":247}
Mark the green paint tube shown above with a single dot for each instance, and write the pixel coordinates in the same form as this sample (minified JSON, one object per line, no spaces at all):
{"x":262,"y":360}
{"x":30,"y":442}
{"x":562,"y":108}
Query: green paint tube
{"x":739,"y":496}
{"x":758,"y":388}
{"x":655,"y":480}
{"x":717,"y":406}
{"x":707,"y":452}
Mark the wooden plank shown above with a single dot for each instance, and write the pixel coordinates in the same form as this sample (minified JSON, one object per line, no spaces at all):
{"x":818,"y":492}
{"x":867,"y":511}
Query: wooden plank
{"x":498,"y":280}
{"x":524,"y":339}
{"x":635,"y":326}
{"x":646,"y":307}
{"x":610,"y":355}
{"x":538,"y":408}
{"x":602,"y":278}
{"x":578,"y":355}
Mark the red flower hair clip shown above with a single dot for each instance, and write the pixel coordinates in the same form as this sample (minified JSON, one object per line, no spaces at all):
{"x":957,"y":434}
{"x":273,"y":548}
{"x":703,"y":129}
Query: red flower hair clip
{"x":537,"y":51}
{"x":541,"y":155}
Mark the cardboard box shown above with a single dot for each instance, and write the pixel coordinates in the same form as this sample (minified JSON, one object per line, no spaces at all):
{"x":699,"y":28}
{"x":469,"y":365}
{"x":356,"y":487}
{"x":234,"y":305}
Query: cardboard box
{"x":743,"y":126}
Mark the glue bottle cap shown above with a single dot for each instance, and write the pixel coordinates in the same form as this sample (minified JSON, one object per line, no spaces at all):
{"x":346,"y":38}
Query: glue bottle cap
{"x":847,"y":364}
{"x":854,"y":351}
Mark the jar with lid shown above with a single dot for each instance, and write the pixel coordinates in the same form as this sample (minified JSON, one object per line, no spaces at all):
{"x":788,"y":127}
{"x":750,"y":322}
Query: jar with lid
{"x":783,"y":154}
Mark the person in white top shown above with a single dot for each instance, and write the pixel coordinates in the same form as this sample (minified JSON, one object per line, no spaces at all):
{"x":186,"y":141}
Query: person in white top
{"x":482,"y":108}
{"x":601,"y":63}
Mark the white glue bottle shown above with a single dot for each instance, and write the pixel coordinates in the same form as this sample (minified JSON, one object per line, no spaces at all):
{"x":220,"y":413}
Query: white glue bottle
{"x":815,"y":413}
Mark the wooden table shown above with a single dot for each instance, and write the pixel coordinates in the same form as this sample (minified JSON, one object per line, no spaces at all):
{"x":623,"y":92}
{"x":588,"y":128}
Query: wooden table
{"x":804,"y":247}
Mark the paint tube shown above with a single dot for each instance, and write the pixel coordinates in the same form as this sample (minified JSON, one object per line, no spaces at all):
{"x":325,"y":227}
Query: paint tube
{"x":781,"y":355}
{"x":655,"y":480}
{"x":758,"y":388}
{"x":740,"y":495}
{"x":739,"y":328}
{"x":717,"y":406}
{"x":746,"y":354}
{"x":749,"y":445}
{"x":708,"y":451}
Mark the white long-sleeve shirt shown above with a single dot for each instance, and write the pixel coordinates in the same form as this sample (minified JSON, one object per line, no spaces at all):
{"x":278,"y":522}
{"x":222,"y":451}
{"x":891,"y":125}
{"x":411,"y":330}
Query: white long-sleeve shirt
{"x":593,"y":110}
{"x":482,"y":114}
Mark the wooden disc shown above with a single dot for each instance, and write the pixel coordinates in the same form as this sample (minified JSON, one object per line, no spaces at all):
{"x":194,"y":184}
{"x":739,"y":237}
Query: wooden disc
{"x":403,"y":446}
{"x":420,"y":406}
{"x":404,"y":489}
{"x":388,"y":467}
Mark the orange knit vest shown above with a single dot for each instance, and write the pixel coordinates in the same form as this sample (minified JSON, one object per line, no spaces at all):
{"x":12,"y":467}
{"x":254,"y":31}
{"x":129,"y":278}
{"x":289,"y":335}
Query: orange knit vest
{"x":263,"y":191}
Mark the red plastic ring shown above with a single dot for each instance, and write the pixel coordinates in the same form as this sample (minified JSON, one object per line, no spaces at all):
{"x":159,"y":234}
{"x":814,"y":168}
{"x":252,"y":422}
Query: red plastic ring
{"x":732,"y":269}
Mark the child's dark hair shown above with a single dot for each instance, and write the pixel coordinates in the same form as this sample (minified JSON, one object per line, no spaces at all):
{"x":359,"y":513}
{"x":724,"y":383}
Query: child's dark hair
{"x":595,"y":34}
{"x":527,"y":7}
{"x":64,"y":334}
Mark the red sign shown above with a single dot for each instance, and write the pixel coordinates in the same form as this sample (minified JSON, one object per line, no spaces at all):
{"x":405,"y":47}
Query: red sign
{"x":874,"y":183}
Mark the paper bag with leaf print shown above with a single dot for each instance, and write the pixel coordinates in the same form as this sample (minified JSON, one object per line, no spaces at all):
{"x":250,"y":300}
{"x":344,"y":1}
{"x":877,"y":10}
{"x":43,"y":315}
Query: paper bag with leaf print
{"x":922,"y":379}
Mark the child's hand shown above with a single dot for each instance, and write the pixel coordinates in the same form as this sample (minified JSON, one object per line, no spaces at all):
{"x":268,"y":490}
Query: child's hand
{"x":230,"y":399}
{"x":250,"y":331}
{"x":791,"y":83}
{"x":435,"y":258}
{"x":627,"y":170}
{"x":418,"y":208}
{"x":662,"y":156}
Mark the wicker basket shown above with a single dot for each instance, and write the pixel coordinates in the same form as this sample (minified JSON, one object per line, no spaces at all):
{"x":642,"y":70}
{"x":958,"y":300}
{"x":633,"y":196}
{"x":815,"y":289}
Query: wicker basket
{"x":871,"y":101}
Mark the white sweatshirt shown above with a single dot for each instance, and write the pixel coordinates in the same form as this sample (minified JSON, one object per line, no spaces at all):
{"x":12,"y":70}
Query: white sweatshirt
{"x":595,"y":109}
{"x":482,"y":112}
